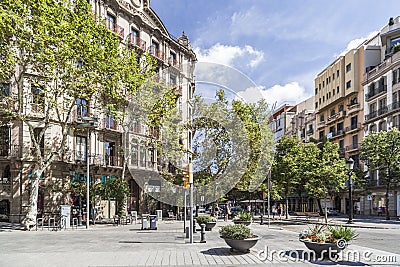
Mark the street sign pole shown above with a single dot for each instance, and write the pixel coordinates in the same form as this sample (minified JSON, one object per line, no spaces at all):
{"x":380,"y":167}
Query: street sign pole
{"x":191,"y":203}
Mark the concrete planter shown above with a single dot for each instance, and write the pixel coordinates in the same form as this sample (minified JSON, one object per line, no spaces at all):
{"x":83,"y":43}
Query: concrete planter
{"x":242,"y":245}
{"x":327,"y":248}
{"x":210,"y":225}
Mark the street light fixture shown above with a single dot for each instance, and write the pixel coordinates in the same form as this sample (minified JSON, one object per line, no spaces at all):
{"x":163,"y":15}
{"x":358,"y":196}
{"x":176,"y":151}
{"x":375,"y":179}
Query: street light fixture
{"x":350,"y":165}
{"x":87,"y":123}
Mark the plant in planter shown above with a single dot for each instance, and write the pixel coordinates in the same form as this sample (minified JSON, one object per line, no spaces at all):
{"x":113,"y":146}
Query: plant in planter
{"x":243,"y":218}
{"x":239,"y":237}
{"x":207,"y":220}
{"x":329,"y":240}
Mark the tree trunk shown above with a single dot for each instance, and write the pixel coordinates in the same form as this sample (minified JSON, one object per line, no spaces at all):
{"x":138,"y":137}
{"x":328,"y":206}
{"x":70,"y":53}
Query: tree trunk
{"x":387,"y":201}
{"x":326,"y":211}
{"x":30,"y":218}
{"x":286,"y":208}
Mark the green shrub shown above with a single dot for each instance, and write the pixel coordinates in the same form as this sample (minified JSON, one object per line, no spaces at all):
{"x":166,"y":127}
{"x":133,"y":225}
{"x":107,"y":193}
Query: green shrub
{"x":243,"y":216}
{"x":340,"y":232}
{"x":236,"y":231}
{"x":203,"y":219}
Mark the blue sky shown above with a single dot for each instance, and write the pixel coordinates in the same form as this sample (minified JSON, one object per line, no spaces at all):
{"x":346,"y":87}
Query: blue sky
{"x":280,"y":45}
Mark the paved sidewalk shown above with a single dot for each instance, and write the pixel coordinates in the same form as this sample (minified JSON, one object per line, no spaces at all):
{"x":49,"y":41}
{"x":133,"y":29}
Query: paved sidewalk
{"x":107,"y":245}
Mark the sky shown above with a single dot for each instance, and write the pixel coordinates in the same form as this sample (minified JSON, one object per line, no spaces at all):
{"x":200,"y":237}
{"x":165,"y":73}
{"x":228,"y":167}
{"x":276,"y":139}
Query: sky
{"x":280,"y":45}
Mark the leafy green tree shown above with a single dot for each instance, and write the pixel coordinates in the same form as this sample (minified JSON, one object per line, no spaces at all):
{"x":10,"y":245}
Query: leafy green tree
{"x":381,"y":152}
{"x":56,"y":54}
{"x":286,"y":172}
{"x":325,"y":170}
{"x":115,"y":188}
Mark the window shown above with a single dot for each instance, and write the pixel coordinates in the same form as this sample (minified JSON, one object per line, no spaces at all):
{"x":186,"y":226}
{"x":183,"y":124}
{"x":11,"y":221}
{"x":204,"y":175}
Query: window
{"x":37,"y":98}
{"x":393,"y":42}
{"x":4,"y":140}
{"x":348,"y":67}
{"x":134,"y":36}
{"x":337,"y":90}
{"x":134,"y":152}
{"x":332,"y":130}
{"x":353,"y":122}
{"x":348,"y":84}
{"x":341,"y":143}
{"x":332,"y":112}
{"x":323,"y":83}
{"x":172,"y":58}
{"x":142,"y":156}
{"x":337,"y":74}
{"x":372,"y":128}
{"x":353,"y":101}
{"x":333,"y":76}
{"x":154,"y":47}
{"x":339,"y":127}
{"x":329,"y":79}
{"x":323,"y":98}
{"x":316,"y":90}
{"x":110,"y":22}
{"x":110,"y":123}
{"x":321,"y":118}
{"x":333,"y":92}
{"x":80,"y":148}
{"x":4,"y":90}
{"x":321,"y":134}
{"x":355,"y":141}
{"x":329,"y":94}
{"x":316,"y":104}
{"x":172,"y":80}
{"x":109,"y":149}
{"x":81,"y":108}
{"x":341,"y":107}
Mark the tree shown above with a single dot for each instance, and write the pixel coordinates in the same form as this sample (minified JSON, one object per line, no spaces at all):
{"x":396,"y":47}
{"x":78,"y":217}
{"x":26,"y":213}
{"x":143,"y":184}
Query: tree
{"x":381,"y":152}
{"x":57,"y":54}
{"x":286,"y":167}
{"x":115,"y":188}
{"x":325,"y":170}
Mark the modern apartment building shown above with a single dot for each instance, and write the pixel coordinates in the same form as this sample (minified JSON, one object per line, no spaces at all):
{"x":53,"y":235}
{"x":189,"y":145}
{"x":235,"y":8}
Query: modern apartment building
{"x":138,"y":27}
{"x":382,"y":105}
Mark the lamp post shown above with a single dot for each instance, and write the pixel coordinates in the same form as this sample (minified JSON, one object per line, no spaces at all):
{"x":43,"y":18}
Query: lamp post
{"x":87,"y":123}
{"x":350,"y":165}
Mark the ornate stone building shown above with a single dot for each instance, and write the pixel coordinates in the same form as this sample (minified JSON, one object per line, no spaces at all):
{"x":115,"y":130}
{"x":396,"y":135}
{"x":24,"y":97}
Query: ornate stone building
{"x":138,"y":27}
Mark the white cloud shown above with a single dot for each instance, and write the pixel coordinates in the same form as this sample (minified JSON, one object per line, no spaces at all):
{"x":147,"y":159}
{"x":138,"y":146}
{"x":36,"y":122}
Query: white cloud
{"x":357,"y":42}
{"x":289,"y":93}
{"x":230,"y":55}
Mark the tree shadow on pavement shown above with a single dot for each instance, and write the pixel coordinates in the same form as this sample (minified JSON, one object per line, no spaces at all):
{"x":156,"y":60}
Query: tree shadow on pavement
{"x":223,"y":252}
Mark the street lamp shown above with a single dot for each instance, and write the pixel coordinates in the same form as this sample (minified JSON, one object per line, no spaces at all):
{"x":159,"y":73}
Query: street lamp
{"x":87,"y":123}
{"x":350,"y":165}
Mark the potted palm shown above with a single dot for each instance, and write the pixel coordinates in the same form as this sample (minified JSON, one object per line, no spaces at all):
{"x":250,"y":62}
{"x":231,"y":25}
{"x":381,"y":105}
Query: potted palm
{"x":243,"y":218}
{"x":239,"y":237}
{"x":324,"y":240}
{"x":207,"y":220}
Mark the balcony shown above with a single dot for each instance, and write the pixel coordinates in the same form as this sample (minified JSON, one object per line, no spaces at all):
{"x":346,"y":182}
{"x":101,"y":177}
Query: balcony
{"x":79,"y":157}
{"x":174,"y":63}
{"x":352,"y":127}
{"x":157,"y":53}
{"x":112,"y":26}
{"x":352,"y":147}
{"x":137,"y":42}
{"x":376,"y":92}
{"x":10,"y":151}
{"x":336,"y":116}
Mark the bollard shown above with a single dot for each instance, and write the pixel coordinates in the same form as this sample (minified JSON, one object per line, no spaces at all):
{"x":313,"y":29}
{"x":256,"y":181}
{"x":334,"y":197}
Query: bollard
{"x":187,"y":231}
{"x":262,"y":220}
{"x":203,"y":233}
{"x":194,"y":225}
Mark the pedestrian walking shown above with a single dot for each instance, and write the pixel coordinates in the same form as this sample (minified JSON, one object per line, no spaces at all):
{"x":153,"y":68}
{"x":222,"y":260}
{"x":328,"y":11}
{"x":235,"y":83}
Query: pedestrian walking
{"x":273,"y":211}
